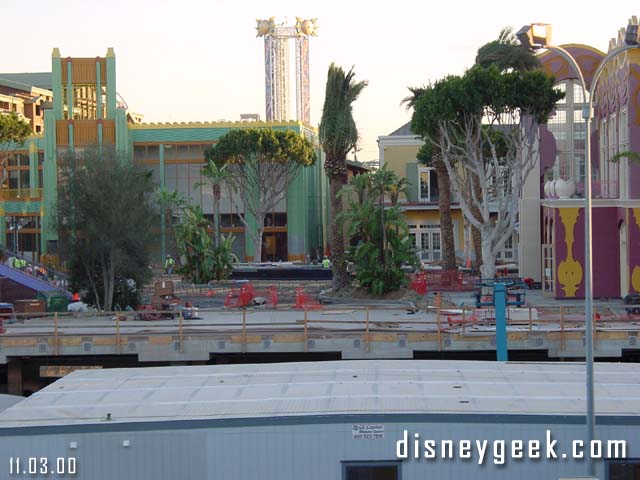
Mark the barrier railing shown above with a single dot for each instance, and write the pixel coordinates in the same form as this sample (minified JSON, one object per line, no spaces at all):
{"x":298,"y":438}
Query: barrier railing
{"x":308,"y":323}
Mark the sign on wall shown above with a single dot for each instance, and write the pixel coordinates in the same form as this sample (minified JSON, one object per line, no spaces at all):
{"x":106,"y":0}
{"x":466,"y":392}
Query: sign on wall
{"x":367,"y":431}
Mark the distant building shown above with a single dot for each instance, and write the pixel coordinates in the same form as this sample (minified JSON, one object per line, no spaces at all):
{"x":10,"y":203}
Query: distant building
{"x":552,"y":211}
{"x":80,"y":108}
{"x":399,"y":151}
{"x":27,"y":95}
{"x":250,"y":117}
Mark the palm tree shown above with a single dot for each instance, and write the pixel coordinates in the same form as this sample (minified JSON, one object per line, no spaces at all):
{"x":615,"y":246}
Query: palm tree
{"x":217,"y":176}
{"x":169,"y":201}
{"x":506,"y":53}
{"x":338,"y":136}
{"x":428,"y":156}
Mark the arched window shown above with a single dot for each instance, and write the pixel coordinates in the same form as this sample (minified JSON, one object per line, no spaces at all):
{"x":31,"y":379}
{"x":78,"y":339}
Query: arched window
{"x":568,"y":127}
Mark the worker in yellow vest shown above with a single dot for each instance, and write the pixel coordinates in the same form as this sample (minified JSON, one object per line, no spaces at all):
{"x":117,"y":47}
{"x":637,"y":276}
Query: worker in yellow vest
{"x":169,"y":263}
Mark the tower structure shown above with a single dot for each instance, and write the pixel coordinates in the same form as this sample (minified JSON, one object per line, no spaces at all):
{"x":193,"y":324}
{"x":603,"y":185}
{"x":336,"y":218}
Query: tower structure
{"x":276,"y":60}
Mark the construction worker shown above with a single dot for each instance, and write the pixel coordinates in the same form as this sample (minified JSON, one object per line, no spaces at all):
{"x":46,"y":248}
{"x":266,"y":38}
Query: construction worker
{"x":326,"y":263}
{"x":77,"y":305}
{"x":169,"y":263}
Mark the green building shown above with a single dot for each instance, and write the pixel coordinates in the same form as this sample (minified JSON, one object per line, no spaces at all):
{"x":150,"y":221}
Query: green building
{"x":86,"y":111}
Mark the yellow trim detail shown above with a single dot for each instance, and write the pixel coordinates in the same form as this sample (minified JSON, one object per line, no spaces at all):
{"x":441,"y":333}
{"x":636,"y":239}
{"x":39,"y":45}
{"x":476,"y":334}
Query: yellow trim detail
{"x":569,"y":270}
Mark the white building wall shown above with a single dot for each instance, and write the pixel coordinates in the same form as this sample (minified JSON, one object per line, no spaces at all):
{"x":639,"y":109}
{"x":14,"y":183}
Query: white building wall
{"x":303,"y":451}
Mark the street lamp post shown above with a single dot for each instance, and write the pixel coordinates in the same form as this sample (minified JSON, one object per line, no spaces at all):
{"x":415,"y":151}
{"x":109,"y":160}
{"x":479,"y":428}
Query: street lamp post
{"x":537,"y":36}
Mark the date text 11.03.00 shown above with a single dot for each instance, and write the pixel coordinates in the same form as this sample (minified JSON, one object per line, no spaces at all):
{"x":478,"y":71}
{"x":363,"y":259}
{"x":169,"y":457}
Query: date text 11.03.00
{"x":36,"y":466}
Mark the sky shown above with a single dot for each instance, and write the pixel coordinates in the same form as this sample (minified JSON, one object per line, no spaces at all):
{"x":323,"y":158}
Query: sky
{"x":195,"y":60}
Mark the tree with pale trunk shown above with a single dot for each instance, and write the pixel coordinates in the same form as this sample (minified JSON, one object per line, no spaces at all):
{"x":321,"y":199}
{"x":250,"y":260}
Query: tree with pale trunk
{"x":338,"y":137}
{"x":485,"y":124}
{"x":13,"y":132}
{"x":261,"y":164}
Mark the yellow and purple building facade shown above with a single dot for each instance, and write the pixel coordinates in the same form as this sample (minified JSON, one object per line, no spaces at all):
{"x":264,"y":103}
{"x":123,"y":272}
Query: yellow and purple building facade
{"x":615,"y":179}
{"x":86,"y":111}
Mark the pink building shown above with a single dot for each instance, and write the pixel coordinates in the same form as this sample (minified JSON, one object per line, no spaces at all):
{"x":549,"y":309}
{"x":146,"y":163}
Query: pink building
{"x":616,"y":180}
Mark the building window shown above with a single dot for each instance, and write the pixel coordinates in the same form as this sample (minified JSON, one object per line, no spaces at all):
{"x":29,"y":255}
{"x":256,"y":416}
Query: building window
{"x":628,"y":469}
{"x":426,"y":240}
{"x":508,"y":252}
{"x":371,"y":470}
{"x":623,"y":131}
{"x":569,"y":130}
{"x":425,"y":194}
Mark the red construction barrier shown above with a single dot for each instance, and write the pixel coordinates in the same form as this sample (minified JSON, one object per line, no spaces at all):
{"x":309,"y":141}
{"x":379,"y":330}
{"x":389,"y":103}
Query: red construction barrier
{"x":244,"y":296}
{"x":460,"y":320}
{"x":449,"y":281}
{"x":419,"y":283}
{"x":304,"y":302}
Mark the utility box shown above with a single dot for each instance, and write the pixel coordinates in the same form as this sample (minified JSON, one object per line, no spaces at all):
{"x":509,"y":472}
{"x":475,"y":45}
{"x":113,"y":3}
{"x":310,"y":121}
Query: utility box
{"x":30,"y":306}
{"x":54,"y":301}
{"x":163,"y":288}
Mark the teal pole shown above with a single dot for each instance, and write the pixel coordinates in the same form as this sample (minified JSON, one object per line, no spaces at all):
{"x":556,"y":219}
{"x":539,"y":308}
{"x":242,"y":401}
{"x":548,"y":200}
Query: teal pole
{"x":500,"y":305}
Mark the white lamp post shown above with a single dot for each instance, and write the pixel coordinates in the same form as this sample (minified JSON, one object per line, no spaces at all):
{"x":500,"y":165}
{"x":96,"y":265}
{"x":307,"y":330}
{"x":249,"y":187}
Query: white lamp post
{"x":537,"y":36}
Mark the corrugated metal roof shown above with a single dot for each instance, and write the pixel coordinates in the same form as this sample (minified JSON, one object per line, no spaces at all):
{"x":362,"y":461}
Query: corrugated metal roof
{"x":325,"y":388}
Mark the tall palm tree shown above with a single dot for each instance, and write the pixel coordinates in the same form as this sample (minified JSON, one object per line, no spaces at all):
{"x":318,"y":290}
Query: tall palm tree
{"x":217,"y":176}
{"x":169,"y":201}
{"x":429,"y":156}
{"x":338,"y":136}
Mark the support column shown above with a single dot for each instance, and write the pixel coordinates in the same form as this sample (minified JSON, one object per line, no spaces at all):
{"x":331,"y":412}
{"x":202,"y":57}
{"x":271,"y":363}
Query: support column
{"x":3,"y":226}
{"x":33,"y":169}
{"x":297,"y":232}
{"x":14,"y":376}
{"x":56,"y":82}
{"x":70,"y":92}
{"x":163,"y":226}
{"x":71,"y":139}
{"x":122,"y":135}
{"x":111,"y":83}
{"x":98,"y":91}
{"x":50,"y":181}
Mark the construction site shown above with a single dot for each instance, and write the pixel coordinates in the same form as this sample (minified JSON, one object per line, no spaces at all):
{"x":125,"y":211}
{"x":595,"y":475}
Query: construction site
{"x":263,"y":321}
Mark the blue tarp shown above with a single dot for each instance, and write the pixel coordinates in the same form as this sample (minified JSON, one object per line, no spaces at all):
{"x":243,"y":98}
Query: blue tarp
{"x":29,"y":281}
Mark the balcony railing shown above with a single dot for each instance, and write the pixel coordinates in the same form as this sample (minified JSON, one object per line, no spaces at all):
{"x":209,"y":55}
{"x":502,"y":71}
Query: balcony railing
{"x":599,"y":189}
{"x":20,"y":193}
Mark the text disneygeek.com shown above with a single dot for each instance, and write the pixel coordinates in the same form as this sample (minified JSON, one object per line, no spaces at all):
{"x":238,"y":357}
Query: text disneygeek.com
{"x":414,"y":446}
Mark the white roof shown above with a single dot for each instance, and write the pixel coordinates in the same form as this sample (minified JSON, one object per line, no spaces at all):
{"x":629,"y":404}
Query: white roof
{"x":7,"y":401}
{"x":325,"y":388}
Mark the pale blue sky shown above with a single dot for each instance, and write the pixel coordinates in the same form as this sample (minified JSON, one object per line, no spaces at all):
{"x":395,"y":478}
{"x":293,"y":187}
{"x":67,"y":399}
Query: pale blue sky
{"x":200,"y":60}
